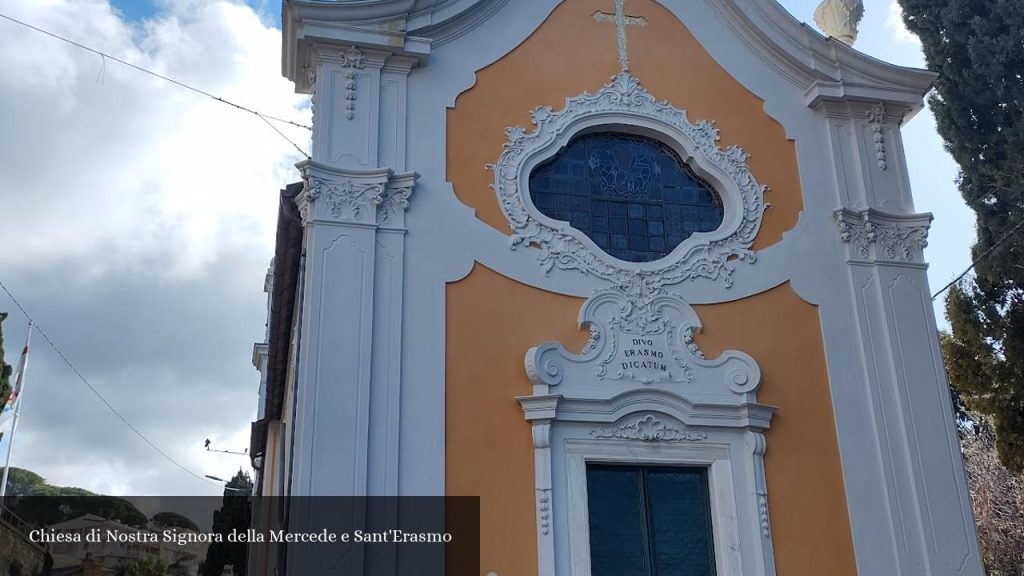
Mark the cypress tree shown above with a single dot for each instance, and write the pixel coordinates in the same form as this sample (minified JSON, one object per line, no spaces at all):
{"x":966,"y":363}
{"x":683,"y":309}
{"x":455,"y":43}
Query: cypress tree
{"x":234,"y":514}
{"x":977,"y":47}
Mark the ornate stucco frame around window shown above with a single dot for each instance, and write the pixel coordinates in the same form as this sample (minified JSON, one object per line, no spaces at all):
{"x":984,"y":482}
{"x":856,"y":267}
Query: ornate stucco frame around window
{"x":624,"y":105}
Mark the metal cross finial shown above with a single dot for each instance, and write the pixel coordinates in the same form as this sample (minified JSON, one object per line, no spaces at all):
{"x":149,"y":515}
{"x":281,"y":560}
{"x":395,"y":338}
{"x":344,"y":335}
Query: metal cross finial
{"x":621,"y":21}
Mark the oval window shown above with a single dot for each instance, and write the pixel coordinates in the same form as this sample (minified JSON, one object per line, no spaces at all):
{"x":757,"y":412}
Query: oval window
{"x":632,"y":195}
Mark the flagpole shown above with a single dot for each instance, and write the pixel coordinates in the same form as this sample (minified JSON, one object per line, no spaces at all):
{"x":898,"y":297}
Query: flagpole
{"x":20,"y":384}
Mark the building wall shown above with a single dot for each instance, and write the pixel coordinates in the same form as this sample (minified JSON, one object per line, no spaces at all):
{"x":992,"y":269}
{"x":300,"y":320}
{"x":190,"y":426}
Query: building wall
{"x":415,"y":317}
{"x":492,"y":320}
{"x":548,"y":67}
{"x":16,"y":549}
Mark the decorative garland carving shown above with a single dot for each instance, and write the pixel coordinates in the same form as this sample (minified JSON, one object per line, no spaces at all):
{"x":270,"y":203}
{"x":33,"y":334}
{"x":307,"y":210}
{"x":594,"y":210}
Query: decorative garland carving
{"x":544,"y":510}
{"x":893,"y":237}
{"x":710,"y":256}
{"x":649,"y":429}
{"x":759,"y":446}
{"x":352,"y":60}
{"x":876,"y":118}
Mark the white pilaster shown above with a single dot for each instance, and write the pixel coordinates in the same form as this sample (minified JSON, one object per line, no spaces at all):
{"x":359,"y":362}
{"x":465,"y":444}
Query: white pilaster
{"x":357,"y":190}
{"x":917,"y":494}
{"x":867,"y":154}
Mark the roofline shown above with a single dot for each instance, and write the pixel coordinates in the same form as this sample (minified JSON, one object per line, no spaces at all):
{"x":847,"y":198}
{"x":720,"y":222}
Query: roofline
{"x":825,"y":68}
{"x":287,"y":256}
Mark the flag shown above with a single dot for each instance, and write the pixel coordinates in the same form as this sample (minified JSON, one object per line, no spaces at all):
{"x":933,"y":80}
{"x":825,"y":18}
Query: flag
{"x":10,"y":406}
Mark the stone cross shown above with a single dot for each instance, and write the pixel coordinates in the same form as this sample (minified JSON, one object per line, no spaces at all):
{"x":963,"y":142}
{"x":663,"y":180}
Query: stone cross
{"x":621,"y":21}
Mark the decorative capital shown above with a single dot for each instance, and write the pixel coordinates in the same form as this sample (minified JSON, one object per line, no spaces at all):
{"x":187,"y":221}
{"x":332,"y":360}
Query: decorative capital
{"x":374,"y":197}
{"x":395,"y":201}
{"x":840,"y":19}
{"x":875,"y":236}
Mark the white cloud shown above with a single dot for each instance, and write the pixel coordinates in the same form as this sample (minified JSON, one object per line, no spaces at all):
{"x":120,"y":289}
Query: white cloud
{"x":894,"y":22}
{"x":110,"y":161}
{"x":136,"y":223}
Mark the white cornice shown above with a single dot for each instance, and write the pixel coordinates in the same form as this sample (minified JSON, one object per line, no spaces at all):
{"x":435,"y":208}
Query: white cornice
{"x":380,"y":24}
{"x":827,"y":69}
{"x":394,"y":25}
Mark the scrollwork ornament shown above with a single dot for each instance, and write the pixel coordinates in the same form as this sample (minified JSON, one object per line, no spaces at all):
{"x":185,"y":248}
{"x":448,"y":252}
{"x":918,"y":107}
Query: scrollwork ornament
{"x":394,"y":202}
{"x":711,"y":257}
{"x":649,"y":429}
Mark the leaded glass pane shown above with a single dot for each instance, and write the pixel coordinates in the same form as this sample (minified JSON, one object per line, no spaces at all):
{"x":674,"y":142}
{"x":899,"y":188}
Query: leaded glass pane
{"x":680,"y":522}
{"x":649,"y":521}
{"x":617,"y":546}
{"x":632,"y":195}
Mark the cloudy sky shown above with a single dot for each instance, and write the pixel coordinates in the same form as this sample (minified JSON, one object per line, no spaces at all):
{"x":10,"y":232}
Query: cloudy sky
{"x":136,"y":224}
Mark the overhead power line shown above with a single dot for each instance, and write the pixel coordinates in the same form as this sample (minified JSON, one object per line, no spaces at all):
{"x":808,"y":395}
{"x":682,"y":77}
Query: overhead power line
{"x":85,"y":381}
{"x":265,"y":117}
{"x":980,"y":258}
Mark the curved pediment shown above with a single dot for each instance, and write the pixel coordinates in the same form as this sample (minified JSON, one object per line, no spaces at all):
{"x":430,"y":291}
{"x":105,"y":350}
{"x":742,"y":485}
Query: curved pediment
{"x":826,"y":68}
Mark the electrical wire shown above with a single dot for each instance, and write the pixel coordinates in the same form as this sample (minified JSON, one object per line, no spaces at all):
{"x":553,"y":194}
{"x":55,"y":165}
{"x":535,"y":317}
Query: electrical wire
{"x":980,"y":258}
{"x":85,"y":381}
{"x":265,"y":117}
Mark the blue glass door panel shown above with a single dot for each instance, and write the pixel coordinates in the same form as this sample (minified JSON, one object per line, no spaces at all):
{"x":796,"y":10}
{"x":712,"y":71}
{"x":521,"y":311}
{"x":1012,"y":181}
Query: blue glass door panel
{"x":649,"y":521}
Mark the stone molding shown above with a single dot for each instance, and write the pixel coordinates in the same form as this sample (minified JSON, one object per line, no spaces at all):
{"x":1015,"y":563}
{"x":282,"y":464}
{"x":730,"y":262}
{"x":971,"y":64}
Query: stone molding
{"x":649,"y":426}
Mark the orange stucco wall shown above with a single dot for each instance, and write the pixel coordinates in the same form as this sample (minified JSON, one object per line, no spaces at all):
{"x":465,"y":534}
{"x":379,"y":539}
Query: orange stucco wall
{"x":570,"y":53}
{"x":492,"y":320}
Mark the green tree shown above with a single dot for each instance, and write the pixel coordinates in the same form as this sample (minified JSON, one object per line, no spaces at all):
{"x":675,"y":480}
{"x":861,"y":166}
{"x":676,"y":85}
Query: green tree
{"x":72,"y":502}
{"x":977,"y":47}
{"x":165,"y":520}
{"x":21,"y":482}
{"x":142,"y":567}
{"x":234,"y":514}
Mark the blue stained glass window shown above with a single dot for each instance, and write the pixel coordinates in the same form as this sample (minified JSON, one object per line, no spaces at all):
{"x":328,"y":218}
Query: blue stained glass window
{"x":632,"y":195}
{"x":649,"y":521}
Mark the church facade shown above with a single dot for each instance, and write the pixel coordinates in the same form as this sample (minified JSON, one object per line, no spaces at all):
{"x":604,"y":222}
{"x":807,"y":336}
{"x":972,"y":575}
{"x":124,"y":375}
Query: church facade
{"x":645,"y":276}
